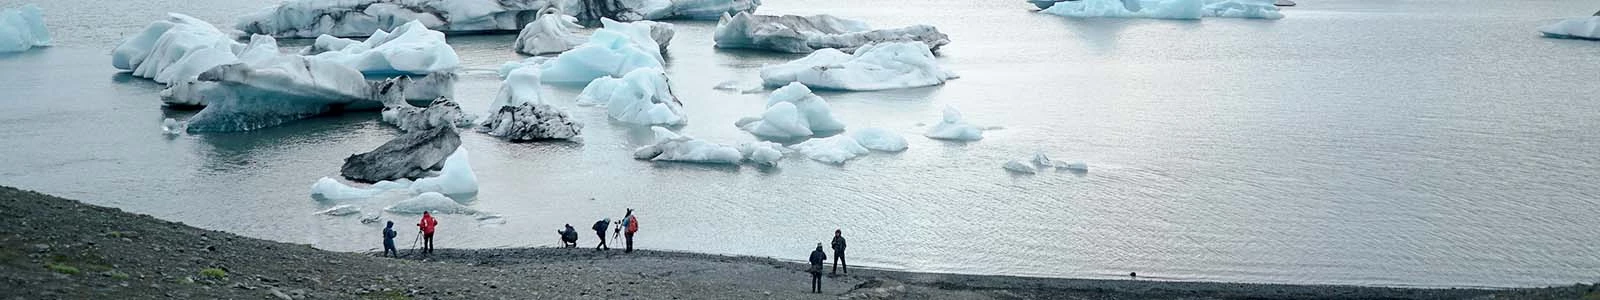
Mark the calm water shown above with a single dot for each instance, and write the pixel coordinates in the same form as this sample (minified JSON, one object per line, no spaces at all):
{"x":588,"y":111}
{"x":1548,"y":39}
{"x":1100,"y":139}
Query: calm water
{"x":1411,"y":143}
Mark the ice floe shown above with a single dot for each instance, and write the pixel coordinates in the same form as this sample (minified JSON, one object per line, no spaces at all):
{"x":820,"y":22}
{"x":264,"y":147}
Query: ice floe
{"x":340,"y":210}
{"x":670,"y":146}
{"x":171,"y":126}
{"x":1586,"y":28}
{"x":431,"y":202}
{"x":879,"y":139}
{"x":835,"y":149}
{"x":22,"y":28}
{"x":804,"y":34}
{"x":1166,"y":9}
{"x":411,"y":49}
{"x":443,"y":112}
{"x":174,"y":49}
{"x":551,"y":33}
{"x":762,"y":153}
{"x":953,"y":127}
{"x":531,"y":122}
{"x":289,"y":87}
{"x":792,"y":112}
{"x":456,"y":179}
{"x":355,"y":18}
{"x":641,"y":97}
{"x":1019,"y":167}
{"x":613,"y":51}
{"x":873,"y":67}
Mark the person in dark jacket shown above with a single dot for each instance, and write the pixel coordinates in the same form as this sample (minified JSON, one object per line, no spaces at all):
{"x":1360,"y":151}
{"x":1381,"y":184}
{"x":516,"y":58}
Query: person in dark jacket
{"x":569,"y":236}
{"x":388,"y":241}
{"x":817,"y":258}
{"x":600,"y":230}
{"x":838,"y":252}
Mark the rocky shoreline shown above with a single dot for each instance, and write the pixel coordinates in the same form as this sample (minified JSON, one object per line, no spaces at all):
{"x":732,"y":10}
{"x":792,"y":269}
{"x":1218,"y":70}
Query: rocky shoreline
{"x":57,"y":248}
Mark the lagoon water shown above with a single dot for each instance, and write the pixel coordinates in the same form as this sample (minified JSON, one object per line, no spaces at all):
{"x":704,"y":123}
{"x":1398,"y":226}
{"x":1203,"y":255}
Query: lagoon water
{"x":1396,"y":143}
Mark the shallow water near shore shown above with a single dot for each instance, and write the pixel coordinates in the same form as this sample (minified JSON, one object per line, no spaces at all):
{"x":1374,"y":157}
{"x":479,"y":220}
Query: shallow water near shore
{"x":1421,"y":143}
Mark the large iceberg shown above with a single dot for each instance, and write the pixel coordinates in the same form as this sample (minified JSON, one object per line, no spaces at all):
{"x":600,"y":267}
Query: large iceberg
{"x":954,"y":128}
{"x":872,"y":67}
{"x":798,"y":34}
{"x":670,"y":146}
{"x":411,"y":49}
{"x":287,"y":88}
{"x":835,"y":149}
{"x":642,"y":97}
{"x":176,"y":49}
{"x":22,"y":28}
{"x":411,"y":155}
{"x":356,"y":18}
{"x":792,"y":112}
{"x":613,"y":51}
{"x":455,"y":179}
{"x":551,"y":33}
{"x":879,"y":139}
{"x":1166,"y":9}
{"x":1586,"y":28}
{"x":591,"y":11}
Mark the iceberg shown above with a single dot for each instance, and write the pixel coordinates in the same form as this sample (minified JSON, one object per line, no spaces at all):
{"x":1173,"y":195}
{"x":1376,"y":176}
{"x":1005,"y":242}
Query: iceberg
{"x":551,"y":33}
{"x":1074,"y":166}
{"x":430,"y":202}
{"x":1019,"y":167}
{"x":410,"y":155}
{"x":642,"y":97}
{"x":177,"y":49}
{"x":22,"y":28}
{"x":873,"y":67}
{"x":711,"y":9}
{"x":792,"y":112}
{"x":1248,"y":9}
{"x":1166,"y":9}
{"x":670,"y":146}
{"x":521,"y":85}
{"x":835,"y":149}
{"x":411,"y":49}
{"x":171,"y":126}
{"x":613,"y":51}
{"x":762,"y":153}
{"x":805,"y":34}
{"x":357,"y":18}
{"x":878,"y":139}
{"x":1043,"y":160}
{"x":441,"y":113}
{"x":1585,"y":28}
{"x":531,"y":122}
{"x":954,"y":128}
{"x":455,"y":179}
{"x":289,"y":87}
{"x":329,"y":189}
{"x":340,"y":210}
{"x":591,"y":11}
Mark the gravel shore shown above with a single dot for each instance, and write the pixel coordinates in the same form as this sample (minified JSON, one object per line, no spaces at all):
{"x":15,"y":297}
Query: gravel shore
{"x":54,"y":248}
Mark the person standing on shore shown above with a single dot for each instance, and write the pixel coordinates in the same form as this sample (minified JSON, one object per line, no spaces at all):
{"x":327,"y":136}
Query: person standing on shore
{"x":600,"y":230}
{"x":427,"y":226}
{"x":630,"y":225}
{"x":817,"y":258}
{"x":388,"y":241}
{"x":838,"y":252}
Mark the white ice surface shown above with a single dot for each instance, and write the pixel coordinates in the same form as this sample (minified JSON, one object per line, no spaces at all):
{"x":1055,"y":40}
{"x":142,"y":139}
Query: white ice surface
{"x":456,"y":179}
{"x":670,"y":146}
{"x":431,"y":202}
{"x":872,"y":67}
{"x":879,"y":139}
{"x":22,"y":28}
{"x":953,"y":127}
{"x":1574,"y":28}
{"x":641,"y":97}
{"x":1166,"y":9}
{"x":764,"y":153}
{"x":835,"y":149}
{"x":1019,"y":167}
{"x":411,"y":49}
{"x":553,"y":32}
{"x":804,"y":34}
{"x":611,"y":52}
{"x":175,"y":49}
{"x":792,"y":112}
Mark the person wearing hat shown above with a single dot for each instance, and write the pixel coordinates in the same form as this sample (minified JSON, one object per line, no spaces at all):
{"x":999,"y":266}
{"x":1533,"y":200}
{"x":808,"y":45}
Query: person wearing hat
{"x":388,"y":240}
{"x":630,"y":224}
{"x":817,"y":258}
{"x":600,"y":230}
{"x":838,"y":252}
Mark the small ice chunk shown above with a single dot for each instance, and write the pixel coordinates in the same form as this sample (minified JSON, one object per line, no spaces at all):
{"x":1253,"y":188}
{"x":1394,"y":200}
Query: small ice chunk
{"x":763,"y":153}
{"x":804,"y":34}
{"x":22,"y":28}
{"x":329,"y":189}
{"x":835,"y":149}
{"x":1166,"y":9}
{"x":792,"y":112}
{"x":456,"y":179}
{"x":954,"y":128}
{"x":1019,"y":167}
{"x":433,"y":202}
{"x":879,"y":139}
{"x":371,"y":218}
{"x":551,"y":33}
{"x":642,"y":97}
{"x":1040,"y":159}
{"x":670,"y":146}
{"x":171,"y":126}
{"x":1586,"y":28}
{"x":883,"y":66}
{"x":340,"y":210}
{"x":1075,"y":166}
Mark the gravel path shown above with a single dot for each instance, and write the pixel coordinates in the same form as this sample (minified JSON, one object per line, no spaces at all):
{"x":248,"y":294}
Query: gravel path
{"x":55,"y":248}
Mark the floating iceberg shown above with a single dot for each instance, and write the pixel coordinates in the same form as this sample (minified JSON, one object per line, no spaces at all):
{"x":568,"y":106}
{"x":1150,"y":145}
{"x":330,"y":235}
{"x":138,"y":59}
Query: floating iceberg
{"x":762,"y":153}
{"x":835,"y":149}
{"x":1043,"y":160}
{"x":954,"y":128}
{"x":287,"y":88}
{"x":1019,"y":167}
{"x":456,"y":179}
{"x":329,"y":189}
{"x":356,"y":18}
{"x":642,"y":97}
{"x":878,"y":139}
{"x":551,"y":33}
{"x":1586,"y":28}
{"x":411,"y":49}
{"x":670,"y":146}
{"x":22,"y":28}
{"x":1166,"y":9}
{"x":171,"y":126}
{"x":430,"y":202}
{"x":409,"y":155}
{"x":176,"y":49}
{"x":521,"y":85}
{"x":531,"y":122}
{"x":798,"y":34}
{"x":613,"y":51}
{"x":1074,"y":166}
{"x":711,"y":9}
{"x":340,"y":210}
{"x":441,"y":113}
{"x":792,"y":112}
{"x":872,"y":67}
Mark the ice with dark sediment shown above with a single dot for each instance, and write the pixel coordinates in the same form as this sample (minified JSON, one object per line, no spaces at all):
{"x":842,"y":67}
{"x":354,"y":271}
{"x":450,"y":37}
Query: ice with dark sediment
{"x":359,"y":18}
{"x":804,"y":34}
{"x":553,"y":32}
{"x":883,"y":66}
{"x":443,"y":112}
{"x":531,"y":122}
{"x":408,"y":156}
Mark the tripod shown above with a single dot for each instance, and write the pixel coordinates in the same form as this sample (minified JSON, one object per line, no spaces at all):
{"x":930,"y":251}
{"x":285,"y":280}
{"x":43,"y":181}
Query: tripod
{"x":414,"y":242}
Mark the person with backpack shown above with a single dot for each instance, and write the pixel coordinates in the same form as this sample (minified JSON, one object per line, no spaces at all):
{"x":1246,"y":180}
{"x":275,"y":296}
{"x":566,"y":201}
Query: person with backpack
{"x":569,"y":236}
{"x":630,"y":225}
{"x":817,"y":258}
{"x":388,"y":241}
{"x":600,"y":231}
{"x":838,"y":252}
{"x":427,"y":226}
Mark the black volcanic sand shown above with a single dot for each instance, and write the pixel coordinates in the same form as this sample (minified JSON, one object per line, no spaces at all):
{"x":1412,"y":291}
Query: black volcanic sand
{"x":57,"y":248}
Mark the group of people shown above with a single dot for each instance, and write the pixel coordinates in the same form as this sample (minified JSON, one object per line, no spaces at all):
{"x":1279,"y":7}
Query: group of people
{"x":569,"y":236}
{"x":818,"y":258}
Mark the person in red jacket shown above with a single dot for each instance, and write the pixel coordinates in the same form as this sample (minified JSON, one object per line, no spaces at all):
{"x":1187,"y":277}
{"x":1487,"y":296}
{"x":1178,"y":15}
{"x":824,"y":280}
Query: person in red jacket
{"x":427,"y":224}
{"x":631,"y":225}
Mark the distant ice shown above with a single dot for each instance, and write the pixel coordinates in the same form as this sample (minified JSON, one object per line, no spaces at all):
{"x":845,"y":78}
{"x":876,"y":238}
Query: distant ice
{"x":1019,"y":167}
{"x":432,"y":202}
{"x":341,"y":210}
{"x":553,"y":32}
{"x":873,"y":67}
{"x":1043,"y":161}
{"x":22,"y":28}
{"x":792,"y":112}
{"x":1166,"y":9}
{"x":411,"y":49}
{"x":1585,"y":28}
{"x":671,"y":146}
{"x":456,"y":179}
{"x":835,"y":149}
{"x":642,"y":97}
{"x":879,"y":139}
{"x":762,"y":153}
{"x":804,"y":34}
{"x":953,"y":127}
{"x":1075,"y":166}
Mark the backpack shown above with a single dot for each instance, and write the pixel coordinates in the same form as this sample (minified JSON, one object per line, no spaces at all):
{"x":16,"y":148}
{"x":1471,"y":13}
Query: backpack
{"x":633,"y":224}
{"x":601,"y":225}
